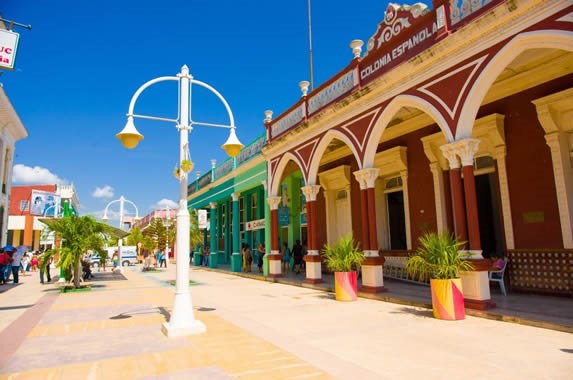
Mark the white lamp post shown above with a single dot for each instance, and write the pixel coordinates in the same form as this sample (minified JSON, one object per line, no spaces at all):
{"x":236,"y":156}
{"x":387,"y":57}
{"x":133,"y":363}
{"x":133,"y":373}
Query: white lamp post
{"x":105,"y":218}
{"x":182,"y":322}
{"x":167,"y":219}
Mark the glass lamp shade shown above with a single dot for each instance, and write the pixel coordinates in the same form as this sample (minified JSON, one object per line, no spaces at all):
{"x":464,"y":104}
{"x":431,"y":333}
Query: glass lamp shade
{"x":129,"y":136}
{"x":233,"y":146}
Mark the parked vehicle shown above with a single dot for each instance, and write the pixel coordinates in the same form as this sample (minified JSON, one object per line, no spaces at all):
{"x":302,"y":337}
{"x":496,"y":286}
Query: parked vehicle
{"x":128,"y":254}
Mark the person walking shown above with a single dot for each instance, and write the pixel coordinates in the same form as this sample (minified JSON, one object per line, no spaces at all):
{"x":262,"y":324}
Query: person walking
{"x":206,"y":256}
{"x":16,"y":263}
{"x":297,"y":254}
{"x":4,"y":261}
{"x":261,"y":251}
{"x":286,"y":258}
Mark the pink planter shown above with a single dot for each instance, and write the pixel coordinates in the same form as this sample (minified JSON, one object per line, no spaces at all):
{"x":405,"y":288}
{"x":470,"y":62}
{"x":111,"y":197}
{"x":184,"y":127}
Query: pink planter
{"x":448,"y":299}
{"x":345,"y":286}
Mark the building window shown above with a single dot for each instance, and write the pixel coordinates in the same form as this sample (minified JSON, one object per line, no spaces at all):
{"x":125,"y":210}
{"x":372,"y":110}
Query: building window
{"x":254,"y":214}
{"x":25,"y":205}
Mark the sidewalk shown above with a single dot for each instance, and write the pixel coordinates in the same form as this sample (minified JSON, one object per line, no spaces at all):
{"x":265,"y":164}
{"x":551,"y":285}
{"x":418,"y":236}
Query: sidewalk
{"x":113,"y":332}
{"x":257,"y":330}
{"x":549,"y":312}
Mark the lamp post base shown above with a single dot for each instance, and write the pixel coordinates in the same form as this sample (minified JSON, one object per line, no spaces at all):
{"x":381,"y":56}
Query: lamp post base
{"x":193,"y":327}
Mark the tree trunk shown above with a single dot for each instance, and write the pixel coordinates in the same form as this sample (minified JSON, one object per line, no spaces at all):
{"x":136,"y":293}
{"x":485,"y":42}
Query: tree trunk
{"x":77,"y":274}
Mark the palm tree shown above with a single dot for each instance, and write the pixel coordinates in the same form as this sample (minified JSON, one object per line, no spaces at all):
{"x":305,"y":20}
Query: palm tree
{"x":78,"y":234}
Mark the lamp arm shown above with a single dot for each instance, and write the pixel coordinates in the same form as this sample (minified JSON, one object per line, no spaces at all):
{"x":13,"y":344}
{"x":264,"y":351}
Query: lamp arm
{"x":143,"y":87}
{"x":133,"y":204}
{"x":203,"y":84}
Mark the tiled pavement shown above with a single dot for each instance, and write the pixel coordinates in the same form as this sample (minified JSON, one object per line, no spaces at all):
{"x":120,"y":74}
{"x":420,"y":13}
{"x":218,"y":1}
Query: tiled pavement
{"x":113,"y":332}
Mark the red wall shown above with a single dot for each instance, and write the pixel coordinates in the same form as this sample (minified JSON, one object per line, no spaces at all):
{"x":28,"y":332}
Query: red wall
{"x":20,"y":193}
{"x":529,"y":167}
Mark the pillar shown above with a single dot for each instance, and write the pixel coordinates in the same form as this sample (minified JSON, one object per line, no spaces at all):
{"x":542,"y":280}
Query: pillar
{"x":274,"y":257}
{"x":213,"y":260}
{"x":313,"y":259}
{"x":267,"y":231}
{"x":373,"y":265}
{"x":467,"y":151}
{"x":457,"y":192}
{"x":475,"y":284}
{"x":236,"y":257}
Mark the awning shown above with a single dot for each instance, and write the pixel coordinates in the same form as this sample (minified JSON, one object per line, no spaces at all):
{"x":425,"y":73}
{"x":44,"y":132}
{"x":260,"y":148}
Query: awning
{"x":113,"y":231}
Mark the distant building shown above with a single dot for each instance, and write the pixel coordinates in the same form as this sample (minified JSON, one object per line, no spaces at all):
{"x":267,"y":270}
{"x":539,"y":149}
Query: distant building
{"x":28,"y":204}
{"x":12,"y":131}
{"x":161,"y":214}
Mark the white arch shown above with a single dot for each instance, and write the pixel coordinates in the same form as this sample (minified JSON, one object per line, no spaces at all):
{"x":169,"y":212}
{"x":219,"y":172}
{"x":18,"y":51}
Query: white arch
{"x":277,"y":176}
{"x":551,"y":39}
{"x":321,"y":147}
{"x":390,"y":111}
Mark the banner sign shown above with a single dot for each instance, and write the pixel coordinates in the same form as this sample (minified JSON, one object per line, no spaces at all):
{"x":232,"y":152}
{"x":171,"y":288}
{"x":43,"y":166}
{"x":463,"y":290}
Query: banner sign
{"x":202,"y":218}
{"x":8,"y":46}
{"x":284,"y":217}
{"x":255,"y":225}
{"x":44,"y":203}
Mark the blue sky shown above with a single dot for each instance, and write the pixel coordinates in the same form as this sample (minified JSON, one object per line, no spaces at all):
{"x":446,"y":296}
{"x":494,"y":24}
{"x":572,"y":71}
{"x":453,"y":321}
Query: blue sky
{"x":79,"y":66}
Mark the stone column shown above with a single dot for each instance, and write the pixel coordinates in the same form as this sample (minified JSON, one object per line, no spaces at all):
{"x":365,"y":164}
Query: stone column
{"x":312,"y":259}
{"x":475,"y":284}
{"x":457,"y":193}
{"x":275,"y":257}
{"x":213,"y":260}
{"x":372,"y":267}
{"x":236,"y":257}
{"x":467,"y":150}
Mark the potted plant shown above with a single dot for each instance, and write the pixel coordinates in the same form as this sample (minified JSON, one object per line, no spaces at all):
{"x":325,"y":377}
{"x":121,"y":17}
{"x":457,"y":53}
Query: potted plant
{"x":439,"y":258}
{"x":186,"y":166}
{"x":177,"y":172}
{"x":344,"y":258}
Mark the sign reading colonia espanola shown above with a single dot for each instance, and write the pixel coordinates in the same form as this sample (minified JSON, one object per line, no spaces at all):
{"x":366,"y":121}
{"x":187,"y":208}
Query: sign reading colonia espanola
{"x":8,"y":46}
{"x":255,"y":225}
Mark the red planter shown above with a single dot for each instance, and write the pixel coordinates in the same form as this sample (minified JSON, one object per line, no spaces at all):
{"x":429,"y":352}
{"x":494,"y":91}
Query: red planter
{"x":345,"y":286}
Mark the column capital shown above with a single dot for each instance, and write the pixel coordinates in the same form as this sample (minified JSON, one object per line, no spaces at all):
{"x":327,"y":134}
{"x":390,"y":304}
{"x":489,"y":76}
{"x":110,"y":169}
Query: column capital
{"x":465,"y":149}
{"x":310,"y":192}
{"x":213,"y":205}
{"x":235,"y":196}
{"x":274,"y":202}
{"x":367,"y":177}
{"x":450,"y":155}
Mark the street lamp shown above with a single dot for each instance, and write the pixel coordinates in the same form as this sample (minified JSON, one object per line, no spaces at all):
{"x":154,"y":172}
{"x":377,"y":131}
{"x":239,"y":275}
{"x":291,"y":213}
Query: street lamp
{"x":167,"y":219}
{"x":122,"y":200}
{"x":182,"y":322}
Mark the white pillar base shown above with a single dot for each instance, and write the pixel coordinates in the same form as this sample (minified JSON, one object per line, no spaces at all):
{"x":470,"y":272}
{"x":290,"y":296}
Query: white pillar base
{"x":194,"y":327}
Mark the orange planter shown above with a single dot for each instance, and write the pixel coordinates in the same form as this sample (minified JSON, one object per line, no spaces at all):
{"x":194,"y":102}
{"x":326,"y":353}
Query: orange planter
{"x":345,"y":286}
{"x":448,"y":299}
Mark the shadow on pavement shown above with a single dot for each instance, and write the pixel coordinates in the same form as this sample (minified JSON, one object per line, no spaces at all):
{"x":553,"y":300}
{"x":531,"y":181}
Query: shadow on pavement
{"x":418,"y":312}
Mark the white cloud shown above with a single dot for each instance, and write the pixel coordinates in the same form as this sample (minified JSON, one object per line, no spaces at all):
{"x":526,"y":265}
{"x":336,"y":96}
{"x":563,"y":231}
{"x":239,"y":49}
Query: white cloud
{"x":103,"y":192}
{"x":26,"y":175}
{"x":165,"y":203}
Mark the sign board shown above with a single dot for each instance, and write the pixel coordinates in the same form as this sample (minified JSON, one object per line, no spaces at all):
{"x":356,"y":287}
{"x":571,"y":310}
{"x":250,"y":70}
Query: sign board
{"x":284,"y":217}
{"x":202,"y":218}
{"x":255,"y":225}
{"x":44,"y":203}
{"x":8,"y":47}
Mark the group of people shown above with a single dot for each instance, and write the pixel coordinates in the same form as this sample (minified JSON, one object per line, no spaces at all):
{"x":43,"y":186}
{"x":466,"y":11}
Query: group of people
{"x":248,"y":257}
{"x":293,"y":259}
{"x":15,"y":262}
{"x":152,"y":260}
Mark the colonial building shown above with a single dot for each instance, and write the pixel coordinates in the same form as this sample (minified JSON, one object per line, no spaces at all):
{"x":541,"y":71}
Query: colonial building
{"x":454,"y":118}
{"x":12,"y":131}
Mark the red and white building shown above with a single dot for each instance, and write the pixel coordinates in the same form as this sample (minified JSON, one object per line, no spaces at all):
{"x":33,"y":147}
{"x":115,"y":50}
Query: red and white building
{"x":458,"y":117}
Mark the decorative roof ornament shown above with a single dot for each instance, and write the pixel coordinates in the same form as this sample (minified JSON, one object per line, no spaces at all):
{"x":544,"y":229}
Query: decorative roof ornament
{"x":396,"y":18}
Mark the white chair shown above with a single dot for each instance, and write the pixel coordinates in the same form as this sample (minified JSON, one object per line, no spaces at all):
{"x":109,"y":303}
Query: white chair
{"x":497,"y":276}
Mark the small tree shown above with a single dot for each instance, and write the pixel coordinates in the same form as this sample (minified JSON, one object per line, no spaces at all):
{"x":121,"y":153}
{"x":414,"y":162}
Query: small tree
{"x":78,"y":234}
